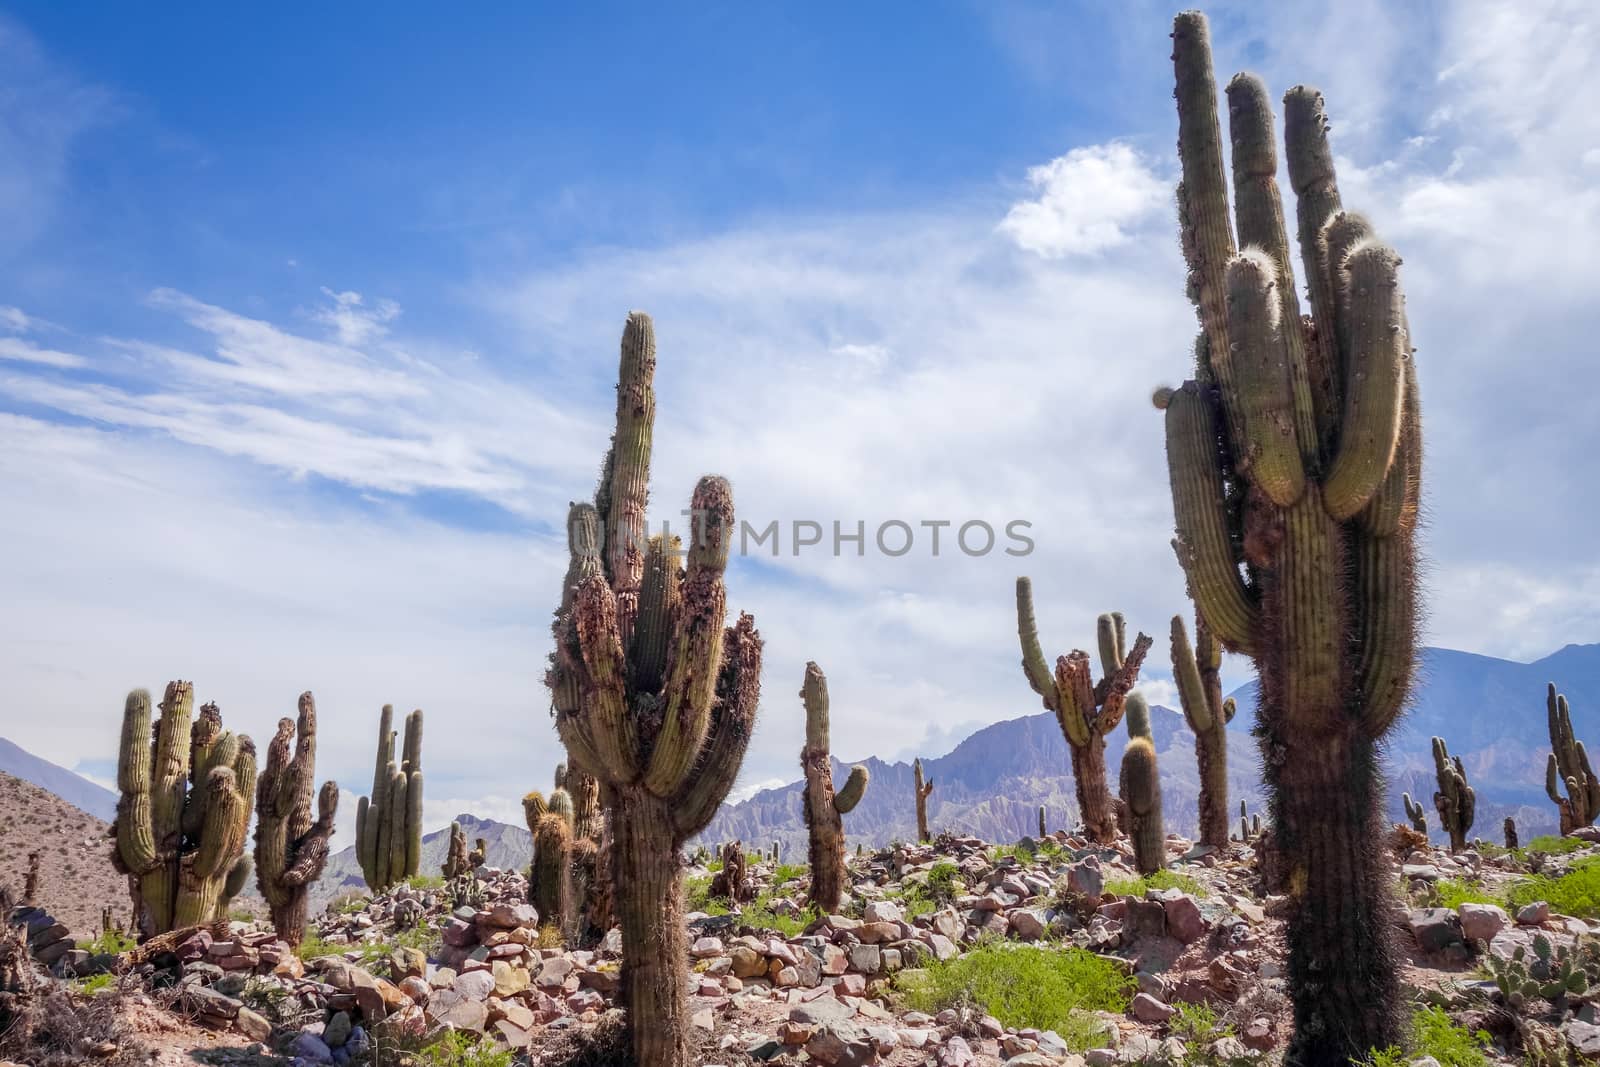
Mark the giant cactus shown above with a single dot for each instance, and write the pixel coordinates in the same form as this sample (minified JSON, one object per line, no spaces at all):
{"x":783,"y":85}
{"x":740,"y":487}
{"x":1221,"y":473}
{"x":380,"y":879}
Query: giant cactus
{"x":389,"y":823}
{"x":821,"y":806}
{"x":1087,"y":711}
{"x":1295,"y":467}
{"x":1455,"y":800}
{"x":184,"y":808}
{"x":920,"y":788}
{"x":653,"y":695}
{"x":291,"y":847}
{"x":1569,"y":765}
{"x":1198,"y":672}
{"x":1141,"y":796}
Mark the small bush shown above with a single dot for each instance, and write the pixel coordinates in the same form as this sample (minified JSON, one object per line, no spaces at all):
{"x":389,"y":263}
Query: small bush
{"x":1576,"y":893}
{"x":94,"y":983}
{"x":944,"y":883}
{"x":788,"y":872}
{"x":1162,"y":879}
{"x":759,"y":914}
{"x":1452,"y":893}
{"x":1434,"y":1033}
{"x":461,"y":1049}
{"x":426,"y":882}
{"x":1026,"y":985}
{"x":313,"y":947}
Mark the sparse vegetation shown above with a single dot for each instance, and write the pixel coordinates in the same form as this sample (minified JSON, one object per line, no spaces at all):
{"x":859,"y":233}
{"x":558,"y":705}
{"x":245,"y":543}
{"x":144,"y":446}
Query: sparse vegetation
{"x":1576,"y":893}
{"x":1452,"y":893}
{"x":1162,"y":879}
{"x":461,"y":1049}
{"x":1432,"y":1032}
{"x":109,"y":943}
{"x":94,"y":983}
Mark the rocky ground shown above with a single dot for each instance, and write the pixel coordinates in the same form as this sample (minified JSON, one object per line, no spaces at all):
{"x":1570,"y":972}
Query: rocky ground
{"x":75,"y":873}
{"x":387,"y":974}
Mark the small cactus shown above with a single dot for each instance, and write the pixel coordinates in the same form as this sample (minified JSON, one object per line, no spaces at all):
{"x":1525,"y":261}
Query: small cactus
{"x":1568,"y":765}
{"x":1042,"y":832}
{"x":389,"y":821}
{"x":821,"y":807}
{"x":1141,"y":795}
{"x":455,"y":859}
{"x":1198,"y":671}
{"x":1511,"y":833}
{"x":186,"y":788}
{"x":732,"y":882}
{"x":1456,"y":802}
{"x":1086,"y":711}
{"x":920,"y":789}
{"x":292,"y":848}
{"x":1415,"y":814}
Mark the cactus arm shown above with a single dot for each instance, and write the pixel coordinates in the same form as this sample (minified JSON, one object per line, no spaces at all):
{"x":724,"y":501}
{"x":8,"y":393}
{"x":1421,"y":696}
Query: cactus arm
{"x":1371,"y":310}
{"x":1136,"y":710}
{"x":697,"y":648}
{"x":854,"y":788}
{"x":1076,"y":686}
{"x":1311,"y":175}
{"x":222,"y":837}
{"x":1109,"y":636}
{"x":733,"y":721}
{"x":1204,"y":542}
{"x":1256,"y":325}
{"x":300,"y":781}
{"x":136,"y":845}
{"x":399,"y":786}
{"x":605,"y":724}
{"x":1186,"y":673}
{"x":311,"y":850}
{"x":1033,"y":662}
{"x":1386,"y":591}
{"x":1112,"y":692}
{"x":1552,"y":780}
{"x":659,"y":600}
{"x":623,"y":499}
{"x":362,"y":805}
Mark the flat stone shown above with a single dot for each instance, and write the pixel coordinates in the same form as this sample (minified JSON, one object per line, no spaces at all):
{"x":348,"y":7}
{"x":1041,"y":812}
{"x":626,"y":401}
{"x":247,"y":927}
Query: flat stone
{"x":1481,"y":922}
{"x":1148,"y":1009}
{"x":1027,"y":923}
{"x":1435,"y":929}
{"x":842,"y":1044}
{"x":1534,"y":914}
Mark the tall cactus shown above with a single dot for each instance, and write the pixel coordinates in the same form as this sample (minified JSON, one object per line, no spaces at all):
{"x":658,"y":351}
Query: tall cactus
{"x":1042,"y":833}
{"x":653,"y":695}
{"x":184,"y":809}
{"x":1295,"y":466}
{"x":821,"y":806}
{"x":920,"y":790}
{"x":292,"y":849}
{"x":1455,"y":800}
{"x":1416,"y":814}
{"x":1140,"y":782}
{"x":389,"y":822}
{"x":552,"y":850}
{"x":1510,"y":827}
{"x":1086,"y":711}
{"x":1198,"y":672}
{"x":1569,"y":765}
{"x":455,"y":857}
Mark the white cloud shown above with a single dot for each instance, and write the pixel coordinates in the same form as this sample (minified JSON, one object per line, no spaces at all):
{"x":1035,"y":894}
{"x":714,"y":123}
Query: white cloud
{"x":352,"y":320}
{"x":1088,"y":201}
{"x":13,"y":319}
{"x":20,"y":351}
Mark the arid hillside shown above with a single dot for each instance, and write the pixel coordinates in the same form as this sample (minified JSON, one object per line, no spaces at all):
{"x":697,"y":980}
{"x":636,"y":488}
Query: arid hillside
{"x":76,"y":878}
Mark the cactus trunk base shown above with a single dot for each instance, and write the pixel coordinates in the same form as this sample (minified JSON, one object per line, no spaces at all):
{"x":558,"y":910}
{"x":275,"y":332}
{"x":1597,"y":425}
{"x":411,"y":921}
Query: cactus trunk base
{"x":1094,"y":800}
{"x":1342,"y":965}
{"x":1213,"y":762}
{"x":655,"y":951}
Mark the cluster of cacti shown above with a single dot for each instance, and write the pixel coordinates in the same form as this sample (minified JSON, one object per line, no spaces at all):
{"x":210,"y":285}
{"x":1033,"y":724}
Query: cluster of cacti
{"x":1198,"y":672}
{"x":389,"y":822}
{"x":1568,"y":765}
{"x":732,"y":880}
{"x":1455,"y":800}
{"x":652,"y":695}
{"x":920,"y":789}
{"x":584,"y":789}
{"x":455,"y":856}
{"x":1140,"y":788}
{"x":1295,"y":467}
{"x":1249,"y":825}
{"x":1086,"y":710}
{"x":820,"y":805}
{"x":550,"y":823}
{"x":1511,"y":832}
{"x":1552,"y":973}
{"x":186,"y":790}
{"x":1416,"y":814}
{"x":291,"y":847}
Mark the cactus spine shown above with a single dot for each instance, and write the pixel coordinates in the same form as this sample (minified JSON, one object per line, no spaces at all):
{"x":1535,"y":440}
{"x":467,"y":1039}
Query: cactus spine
{"x":1086,"y":711}
{"x":1141,"y":795}
{"x":653,"y":695}
{"x":1455,"y":800}
{"x":389,"y":822}
{"x":1198,"y":672}
{"x":291,"y":848}
{"x":920,"y":789}
{"x":1295,"y":467}
{"x":821,"y":806}
{"x":1569,"y":765}
{"x":1415,"y":813}
{"x":184,"y":808}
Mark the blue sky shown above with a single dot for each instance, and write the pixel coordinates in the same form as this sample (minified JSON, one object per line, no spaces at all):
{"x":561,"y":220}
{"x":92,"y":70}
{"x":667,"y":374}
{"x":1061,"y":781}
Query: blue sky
{"x":308,"y":329}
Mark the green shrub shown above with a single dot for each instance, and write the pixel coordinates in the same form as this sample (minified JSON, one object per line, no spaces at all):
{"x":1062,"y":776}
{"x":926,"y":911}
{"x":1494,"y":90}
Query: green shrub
{"x":109,"y":943}
{"x":426,"y":882}
{"x":759,"y":914}
{"x":1576,"y":893}
{"x":944,"y":883}
{"x":461,"y":1049}
{"x":1162,"y":879}
{"x":1434,"y":1033}
{"x":1026,"y":985}
{"x":697,"y":897}
{"x":788,"y":872}
{"x":1551,"y":846}
{"x":1452,"y":893}
{"x":94,"y":983}
{"x":314,"y":947}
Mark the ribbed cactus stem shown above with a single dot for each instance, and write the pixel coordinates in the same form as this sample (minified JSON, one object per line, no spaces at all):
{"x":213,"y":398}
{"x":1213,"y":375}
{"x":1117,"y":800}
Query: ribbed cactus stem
{"x":1085,"y":710}
{"x":1197,"y":669}
{"x":1415,"y":813}
{"x":182,"y":816}
{"x":920,"y":789}
{"x":653,"y":695}
{"x":1294,"y":458}
{"x":552,"y":847}
{"x":1455,"y":800}
{"x":1137,"y":714}
{"x":389,"y":822}
{"x":1568,"y":766}
{"x":292,"y":848}
{"x":1141,"y":784}
{"x":821,"y":807}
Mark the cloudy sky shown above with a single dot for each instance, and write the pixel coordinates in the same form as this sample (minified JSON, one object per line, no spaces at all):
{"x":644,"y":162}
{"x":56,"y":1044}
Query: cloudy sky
{"x":309,"y":323}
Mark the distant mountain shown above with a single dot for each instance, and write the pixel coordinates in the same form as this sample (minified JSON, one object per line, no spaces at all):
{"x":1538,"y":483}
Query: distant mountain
{"x":1490,"y":711}
{"x":79,"y":792}
{"x":508,"y":846}
{"x":76,"y":878}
